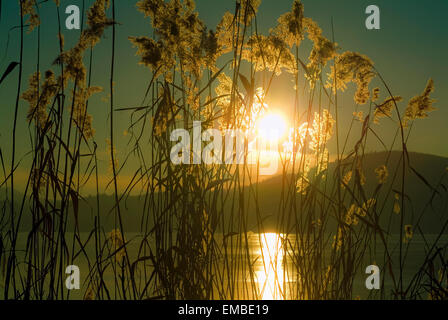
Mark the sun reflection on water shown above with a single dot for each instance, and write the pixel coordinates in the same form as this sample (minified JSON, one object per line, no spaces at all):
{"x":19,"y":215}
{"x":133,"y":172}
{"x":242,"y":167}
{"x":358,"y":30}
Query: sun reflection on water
{"x":270,"y":274}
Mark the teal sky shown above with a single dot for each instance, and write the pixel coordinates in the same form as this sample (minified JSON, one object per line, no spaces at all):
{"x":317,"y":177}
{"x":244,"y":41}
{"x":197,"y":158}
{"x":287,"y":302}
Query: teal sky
{"x":410,"y":48}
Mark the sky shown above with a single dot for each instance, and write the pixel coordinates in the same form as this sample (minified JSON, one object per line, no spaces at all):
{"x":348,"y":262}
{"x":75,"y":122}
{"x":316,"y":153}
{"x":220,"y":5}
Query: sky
{"x":410,"y":48}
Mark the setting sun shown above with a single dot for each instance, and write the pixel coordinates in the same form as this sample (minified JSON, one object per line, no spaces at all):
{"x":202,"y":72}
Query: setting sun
{"x":238,"y":150}
{"x":272,"y":127}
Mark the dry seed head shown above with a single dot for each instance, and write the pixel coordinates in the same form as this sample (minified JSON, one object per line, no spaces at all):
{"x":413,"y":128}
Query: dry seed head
{"x":419,"y":106}
{"x":382,"y":174}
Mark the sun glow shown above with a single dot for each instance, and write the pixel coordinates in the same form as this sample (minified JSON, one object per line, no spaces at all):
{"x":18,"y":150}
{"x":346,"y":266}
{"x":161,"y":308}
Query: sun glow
{"x":272,"y":127}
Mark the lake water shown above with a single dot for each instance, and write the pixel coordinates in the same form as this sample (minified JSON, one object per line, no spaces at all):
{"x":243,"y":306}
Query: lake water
{"x":273,"y":273}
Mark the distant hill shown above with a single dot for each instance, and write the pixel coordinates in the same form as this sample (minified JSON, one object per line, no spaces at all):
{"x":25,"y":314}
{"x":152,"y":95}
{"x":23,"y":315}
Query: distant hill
{"x":428,"y":166}
{"x":269,"y":192}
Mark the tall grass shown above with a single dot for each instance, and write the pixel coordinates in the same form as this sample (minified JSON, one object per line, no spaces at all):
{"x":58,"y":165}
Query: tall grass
{"x":196,"y":220}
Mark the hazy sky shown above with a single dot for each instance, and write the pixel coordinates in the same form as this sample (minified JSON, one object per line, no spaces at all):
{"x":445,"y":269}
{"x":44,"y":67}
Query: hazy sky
{"x":410,"y":48}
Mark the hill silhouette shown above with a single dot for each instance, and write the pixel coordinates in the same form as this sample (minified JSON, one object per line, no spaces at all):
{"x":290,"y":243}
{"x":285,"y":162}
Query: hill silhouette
{"x":419,"y":188}
{"x":429,"y":175}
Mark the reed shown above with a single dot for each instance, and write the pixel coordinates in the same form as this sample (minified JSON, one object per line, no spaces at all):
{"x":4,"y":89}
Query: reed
{"x":197,"y":221}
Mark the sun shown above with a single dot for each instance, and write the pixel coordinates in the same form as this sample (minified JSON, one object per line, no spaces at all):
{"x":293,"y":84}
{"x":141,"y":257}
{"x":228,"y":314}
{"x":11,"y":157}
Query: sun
{"x":272,"y":127}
